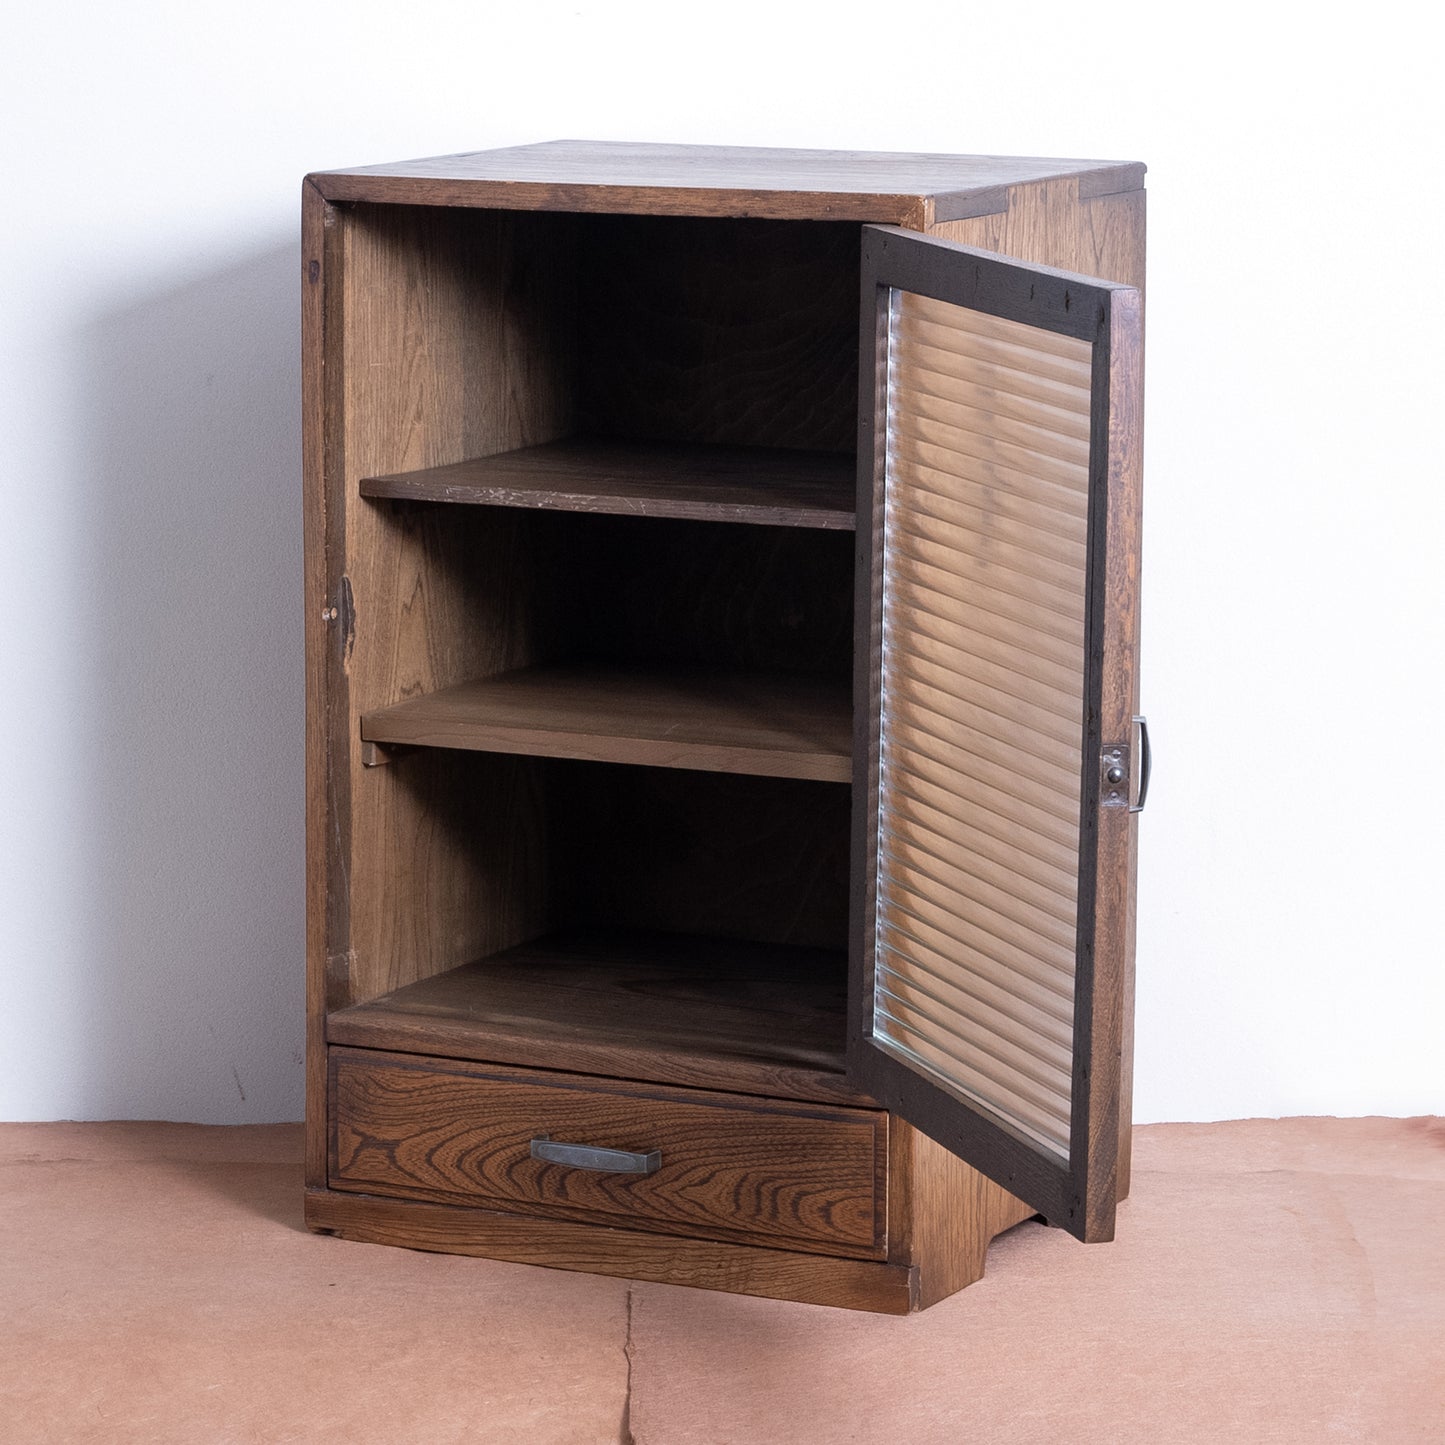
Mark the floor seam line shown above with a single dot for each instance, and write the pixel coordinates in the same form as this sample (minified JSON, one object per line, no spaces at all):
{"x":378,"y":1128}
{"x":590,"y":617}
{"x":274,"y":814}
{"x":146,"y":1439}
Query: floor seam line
{"x":624,"y":1434}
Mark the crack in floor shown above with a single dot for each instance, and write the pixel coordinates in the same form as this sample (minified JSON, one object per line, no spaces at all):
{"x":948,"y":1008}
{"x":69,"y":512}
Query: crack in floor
{"x":624,"y":1433}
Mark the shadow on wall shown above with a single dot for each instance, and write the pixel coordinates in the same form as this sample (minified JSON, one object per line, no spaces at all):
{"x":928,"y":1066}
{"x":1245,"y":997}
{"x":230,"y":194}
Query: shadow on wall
{"x":191,"y":572}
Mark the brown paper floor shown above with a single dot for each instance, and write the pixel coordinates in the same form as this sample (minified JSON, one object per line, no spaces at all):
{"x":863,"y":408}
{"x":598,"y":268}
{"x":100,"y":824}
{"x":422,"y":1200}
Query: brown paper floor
{"x":1272,"y":1281}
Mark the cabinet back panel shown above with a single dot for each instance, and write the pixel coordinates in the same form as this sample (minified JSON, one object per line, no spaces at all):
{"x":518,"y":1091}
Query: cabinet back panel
{"x":738,"y":331}
{"x":479,"y":590}
{"x":658,"y":593}
{"x":717,"y":854}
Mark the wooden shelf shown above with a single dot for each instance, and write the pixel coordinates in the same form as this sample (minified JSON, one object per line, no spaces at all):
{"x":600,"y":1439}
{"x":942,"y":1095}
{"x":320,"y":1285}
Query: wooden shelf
{"x":674,"y":1009}
{"x":762,"y":485}
{"x":764,"y":724}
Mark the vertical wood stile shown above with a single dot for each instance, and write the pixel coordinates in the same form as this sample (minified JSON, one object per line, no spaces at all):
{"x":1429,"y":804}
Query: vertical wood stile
{"x":317,"y":257}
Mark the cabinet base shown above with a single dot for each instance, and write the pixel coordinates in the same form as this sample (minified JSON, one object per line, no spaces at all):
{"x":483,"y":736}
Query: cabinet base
{"x":663,"y":1259}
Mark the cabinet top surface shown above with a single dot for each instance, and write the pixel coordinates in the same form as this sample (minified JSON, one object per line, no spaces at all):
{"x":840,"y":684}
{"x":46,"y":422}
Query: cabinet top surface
{"x":620,"y":176}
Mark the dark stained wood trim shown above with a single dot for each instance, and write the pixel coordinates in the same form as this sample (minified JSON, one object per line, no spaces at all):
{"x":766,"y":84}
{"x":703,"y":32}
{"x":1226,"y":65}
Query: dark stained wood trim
{"x":1093,"y":1160}
{"x":1128,"y":554}
{"x":1058,"y":301}
{"x":319,"y":286}
{"x":873,"y":331}
{"x":1102,"y":1007}
{"x":665,"y":1259}
{"x":1078,"y":1194}
{"x":1007,"y":1157}
{"x":338,"y":622}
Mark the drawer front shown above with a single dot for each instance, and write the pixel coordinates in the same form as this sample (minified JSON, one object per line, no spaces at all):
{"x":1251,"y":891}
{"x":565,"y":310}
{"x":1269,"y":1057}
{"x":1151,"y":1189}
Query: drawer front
{"x":729,"y":1166}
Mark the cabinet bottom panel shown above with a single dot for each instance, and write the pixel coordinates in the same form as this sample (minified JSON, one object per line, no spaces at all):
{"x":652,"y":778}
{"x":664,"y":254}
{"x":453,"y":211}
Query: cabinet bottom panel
{"x":737,"y":1269}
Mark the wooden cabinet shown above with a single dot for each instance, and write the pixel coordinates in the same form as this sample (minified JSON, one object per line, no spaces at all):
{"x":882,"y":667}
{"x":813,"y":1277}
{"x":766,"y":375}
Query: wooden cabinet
{"x":721,"y":594}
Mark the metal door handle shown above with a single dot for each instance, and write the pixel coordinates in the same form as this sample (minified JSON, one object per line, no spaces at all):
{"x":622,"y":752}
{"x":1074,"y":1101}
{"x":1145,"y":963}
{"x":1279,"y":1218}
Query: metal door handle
{"x":603,"y":1161}
{"x":1145,"y":763}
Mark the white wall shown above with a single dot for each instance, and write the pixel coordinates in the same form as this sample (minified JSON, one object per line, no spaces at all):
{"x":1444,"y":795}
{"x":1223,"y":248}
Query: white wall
{"x":150,"y":923}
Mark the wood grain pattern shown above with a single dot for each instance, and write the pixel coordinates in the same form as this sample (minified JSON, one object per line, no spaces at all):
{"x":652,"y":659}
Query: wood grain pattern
{"x":732,"y":1166}
{"x":774,"y":726}
{"x":1056,"y":223}
{"x":667,"y":1008}
{"x":758,"y":485}
{"x":318,"y":261}
{"x":944,"y":1214}
{"x":452,"y":343}
{"x":623,"y":177}
{"x":1115,"y":611}
{"x":487,"y":814}
{"x":718,"y":333}
{"x":701,"y":1264}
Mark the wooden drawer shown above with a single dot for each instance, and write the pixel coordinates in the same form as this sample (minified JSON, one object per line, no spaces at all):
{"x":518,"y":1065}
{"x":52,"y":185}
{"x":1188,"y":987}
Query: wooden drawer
{"x":731,"y":1166}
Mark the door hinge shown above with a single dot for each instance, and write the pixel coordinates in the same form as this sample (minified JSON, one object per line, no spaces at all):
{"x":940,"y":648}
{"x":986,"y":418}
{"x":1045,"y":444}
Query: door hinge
{"x":342,"y":612}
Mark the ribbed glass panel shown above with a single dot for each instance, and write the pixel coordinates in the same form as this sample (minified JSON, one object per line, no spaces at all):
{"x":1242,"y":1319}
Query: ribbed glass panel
{"x":982,"y":708}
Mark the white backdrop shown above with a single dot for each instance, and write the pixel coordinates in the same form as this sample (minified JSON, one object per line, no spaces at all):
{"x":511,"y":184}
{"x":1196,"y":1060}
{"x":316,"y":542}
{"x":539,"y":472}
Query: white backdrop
{"x":150,"y":868}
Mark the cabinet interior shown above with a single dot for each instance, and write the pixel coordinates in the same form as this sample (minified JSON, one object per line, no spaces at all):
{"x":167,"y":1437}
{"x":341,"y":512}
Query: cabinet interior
{"x":608,"y":683}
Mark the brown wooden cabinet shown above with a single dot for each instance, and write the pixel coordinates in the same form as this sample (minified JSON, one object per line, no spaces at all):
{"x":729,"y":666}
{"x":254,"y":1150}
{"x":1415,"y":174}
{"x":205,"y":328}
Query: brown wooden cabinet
{"x":721,"y":595}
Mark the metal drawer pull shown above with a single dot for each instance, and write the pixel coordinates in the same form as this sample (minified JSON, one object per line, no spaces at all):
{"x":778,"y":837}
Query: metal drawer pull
{"x":1146,"y":763}
{"x":604,"y":1161}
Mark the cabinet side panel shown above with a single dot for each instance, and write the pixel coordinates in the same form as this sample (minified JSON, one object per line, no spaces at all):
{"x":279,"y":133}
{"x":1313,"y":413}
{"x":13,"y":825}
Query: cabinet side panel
{"x":458,"y":342}
{"x":1105,"y":236}
{"x":1048,"y":224}
{"x":943,"y":1214}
